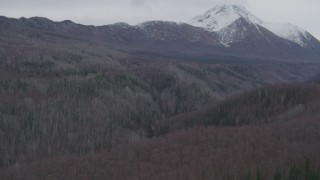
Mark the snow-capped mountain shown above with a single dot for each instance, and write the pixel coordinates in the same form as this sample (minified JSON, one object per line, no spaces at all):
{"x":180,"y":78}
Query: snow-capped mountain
{"x":224,"y":20}
{"x":290,"y":32}
{"x":221,"y":16}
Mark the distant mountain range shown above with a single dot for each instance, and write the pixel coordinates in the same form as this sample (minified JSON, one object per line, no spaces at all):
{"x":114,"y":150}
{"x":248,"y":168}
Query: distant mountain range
{"x":224,"y":31}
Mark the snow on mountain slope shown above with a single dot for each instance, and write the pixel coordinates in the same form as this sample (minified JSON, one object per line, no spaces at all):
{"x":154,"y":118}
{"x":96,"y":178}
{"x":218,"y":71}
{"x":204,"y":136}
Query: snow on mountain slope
{"x":226,"y":21}
{"x":222,"y":17}
{"x":289,"y":32}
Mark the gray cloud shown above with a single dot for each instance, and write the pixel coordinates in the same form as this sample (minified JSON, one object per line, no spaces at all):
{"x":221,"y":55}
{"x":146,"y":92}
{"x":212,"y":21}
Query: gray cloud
{"x":303,"y":13}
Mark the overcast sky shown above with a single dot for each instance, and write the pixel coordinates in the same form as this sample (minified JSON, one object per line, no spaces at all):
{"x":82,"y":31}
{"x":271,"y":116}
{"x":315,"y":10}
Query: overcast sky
{"x":304,"y":13}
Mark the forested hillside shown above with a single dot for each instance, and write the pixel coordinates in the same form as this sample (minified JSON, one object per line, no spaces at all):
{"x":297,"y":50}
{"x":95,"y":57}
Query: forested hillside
{"x":283,"y":149}
{"x":270,"y":104}
{"x":66,"y":97}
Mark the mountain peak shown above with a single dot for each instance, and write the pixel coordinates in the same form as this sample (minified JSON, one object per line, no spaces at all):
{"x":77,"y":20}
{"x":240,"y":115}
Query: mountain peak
{"x":221,"y":19}
{"x":229,"y":7}
{"x":222,"y":16}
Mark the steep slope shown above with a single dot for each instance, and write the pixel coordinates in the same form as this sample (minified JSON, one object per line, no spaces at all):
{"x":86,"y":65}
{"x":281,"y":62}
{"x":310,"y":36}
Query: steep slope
{"x":244,"y":38}
{"x":292,"y":33}
{"x":222,"y":17}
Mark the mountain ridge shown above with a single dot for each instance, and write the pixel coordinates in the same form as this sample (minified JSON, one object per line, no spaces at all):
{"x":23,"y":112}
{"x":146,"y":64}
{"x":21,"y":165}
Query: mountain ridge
{"x":222,"y":16}
{"x":171,"y":39}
